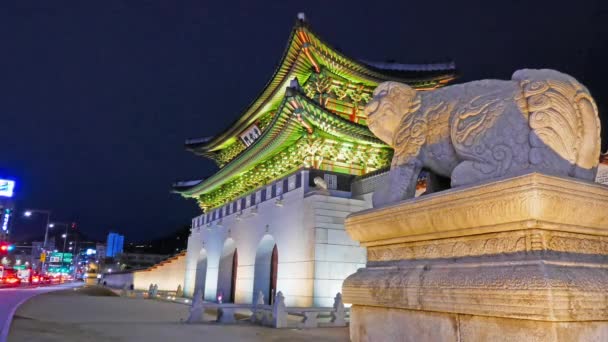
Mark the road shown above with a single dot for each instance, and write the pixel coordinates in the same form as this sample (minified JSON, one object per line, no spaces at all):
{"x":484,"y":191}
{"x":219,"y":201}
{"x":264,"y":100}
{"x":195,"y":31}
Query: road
{"x":11,"y":298}
{"x":97,"y":314}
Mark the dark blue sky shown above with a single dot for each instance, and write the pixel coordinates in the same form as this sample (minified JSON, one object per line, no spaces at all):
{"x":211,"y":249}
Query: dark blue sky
{"x":97,"y":98}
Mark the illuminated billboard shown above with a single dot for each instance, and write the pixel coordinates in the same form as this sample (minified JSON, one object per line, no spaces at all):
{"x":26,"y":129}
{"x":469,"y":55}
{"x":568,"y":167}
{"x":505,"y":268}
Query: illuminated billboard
{"x":6,"y":187}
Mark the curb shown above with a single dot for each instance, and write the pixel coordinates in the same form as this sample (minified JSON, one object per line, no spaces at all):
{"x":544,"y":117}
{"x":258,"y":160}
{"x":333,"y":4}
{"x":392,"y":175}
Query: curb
{"x":9,"y":320}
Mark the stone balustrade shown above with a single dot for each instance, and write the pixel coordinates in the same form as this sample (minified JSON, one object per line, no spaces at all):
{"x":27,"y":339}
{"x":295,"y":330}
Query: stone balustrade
{"x":276,"y":315}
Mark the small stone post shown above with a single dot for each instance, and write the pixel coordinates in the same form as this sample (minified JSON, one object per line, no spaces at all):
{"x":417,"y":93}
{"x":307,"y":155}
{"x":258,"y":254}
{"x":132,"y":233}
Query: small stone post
{"x":259,"y":300}
{"x":279,"y":312}
{"x":179,"y":292}
{"x":338,"y":315}
{"x":197,"y":308}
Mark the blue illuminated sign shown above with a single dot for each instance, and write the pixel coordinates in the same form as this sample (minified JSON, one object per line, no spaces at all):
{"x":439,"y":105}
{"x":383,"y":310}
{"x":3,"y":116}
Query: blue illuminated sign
{"x":5,"y":218}
{"x":6,"y":187}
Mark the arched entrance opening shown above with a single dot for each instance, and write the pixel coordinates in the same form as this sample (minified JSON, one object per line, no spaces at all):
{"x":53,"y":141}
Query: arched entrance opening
{"x":265,"y":270}
{"x":226,"y":280}
{"x":201,"y":272}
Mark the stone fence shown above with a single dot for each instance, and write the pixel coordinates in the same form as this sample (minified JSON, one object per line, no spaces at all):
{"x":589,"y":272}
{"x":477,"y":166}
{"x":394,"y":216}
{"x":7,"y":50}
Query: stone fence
{"x":276,"y":315}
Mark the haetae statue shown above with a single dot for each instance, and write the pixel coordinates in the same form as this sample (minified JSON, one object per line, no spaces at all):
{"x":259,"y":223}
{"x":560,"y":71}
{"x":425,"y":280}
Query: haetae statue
{"x":539,"y":121}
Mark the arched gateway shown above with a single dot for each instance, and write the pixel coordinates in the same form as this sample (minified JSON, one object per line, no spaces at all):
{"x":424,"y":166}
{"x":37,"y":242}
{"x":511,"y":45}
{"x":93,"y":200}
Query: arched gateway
{"x":201,"y":272}
{"x":226,"y":280}
{"x":265,"y":270}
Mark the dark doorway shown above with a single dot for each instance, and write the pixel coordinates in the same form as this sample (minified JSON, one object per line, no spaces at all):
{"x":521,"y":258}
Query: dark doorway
{"x":274,"y":263}
{"x":235,"y":265}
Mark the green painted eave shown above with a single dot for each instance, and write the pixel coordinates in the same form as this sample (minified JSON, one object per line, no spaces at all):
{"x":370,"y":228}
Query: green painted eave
{"x":283,"y":131}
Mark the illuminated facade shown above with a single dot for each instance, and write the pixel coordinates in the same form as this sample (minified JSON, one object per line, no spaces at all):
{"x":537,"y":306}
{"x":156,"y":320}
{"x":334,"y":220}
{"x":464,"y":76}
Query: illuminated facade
{"x":295,"y":163}
{"x":114,"y":245}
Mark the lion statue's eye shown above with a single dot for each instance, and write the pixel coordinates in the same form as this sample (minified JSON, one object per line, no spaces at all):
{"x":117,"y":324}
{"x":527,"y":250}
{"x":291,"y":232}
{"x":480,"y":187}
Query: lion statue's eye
{"x":372,"y":106}
{"x":382,"y":89}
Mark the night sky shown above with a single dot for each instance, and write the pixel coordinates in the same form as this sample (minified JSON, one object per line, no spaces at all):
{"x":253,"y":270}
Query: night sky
{"x":97,"y":98}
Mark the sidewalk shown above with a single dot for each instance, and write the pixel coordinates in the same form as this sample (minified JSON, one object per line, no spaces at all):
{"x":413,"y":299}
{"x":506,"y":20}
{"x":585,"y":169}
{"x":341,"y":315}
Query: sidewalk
{"x":12,"y":298}
{"x":94,"y":314}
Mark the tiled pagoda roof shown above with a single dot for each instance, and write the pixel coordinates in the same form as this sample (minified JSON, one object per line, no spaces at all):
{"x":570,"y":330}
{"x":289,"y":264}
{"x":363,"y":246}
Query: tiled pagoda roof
{"x":306,"y":52}
{"x":284,"y":130}
{"x":291,"y":116}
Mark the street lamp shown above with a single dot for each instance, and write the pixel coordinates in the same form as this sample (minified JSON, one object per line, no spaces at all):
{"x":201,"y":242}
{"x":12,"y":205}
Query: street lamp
{"x":64,"y":236}
{"x":29,"y":213}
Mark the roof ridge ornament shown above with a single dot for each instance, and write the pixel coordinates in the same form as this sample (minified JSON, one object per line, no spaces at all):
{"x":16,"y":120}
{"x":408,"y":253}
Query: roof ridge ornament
{"x":293,"y":88}
{"x":294,"y":83}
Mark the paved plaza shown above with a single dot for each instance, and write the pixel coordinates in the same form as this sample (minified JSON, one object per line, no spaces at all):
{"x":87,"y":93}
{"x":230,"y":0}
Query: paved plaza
{"x":95,"y":314}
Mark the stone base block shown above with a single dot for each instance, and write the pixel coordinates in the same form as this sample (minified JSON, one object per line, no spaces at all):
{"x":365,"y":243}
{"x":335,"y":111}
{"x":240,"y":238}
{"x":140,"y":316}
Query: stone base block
{"x":520,"y":259}
{"x":388,"y":324}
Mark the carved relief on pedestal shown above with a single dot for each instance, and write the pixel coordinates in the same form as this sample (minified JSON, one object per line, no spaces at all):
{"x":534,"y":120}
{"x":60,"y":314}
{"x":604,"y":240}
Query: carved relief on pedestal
{"x":492,"y":244}
{"x":511,"y":242}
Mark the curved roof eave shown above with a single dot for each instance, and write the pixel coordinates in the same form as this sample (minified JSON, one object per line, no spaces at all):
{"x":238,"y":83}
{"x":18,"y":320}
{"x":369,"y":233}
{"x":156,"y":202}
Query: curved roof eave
{"x":283,"y":126}
{"x":282,"y":75}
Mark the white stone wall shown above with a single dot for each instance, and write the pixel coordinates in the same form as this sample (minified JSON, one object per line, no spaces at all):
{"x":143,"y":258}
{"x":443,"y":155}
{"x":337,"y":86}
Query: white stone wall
{"x":194,"y":247}
{"x":315,"y":253}
{"x":336,"y":255}
{"x":169,"y":275}
{"x":285,"y":225}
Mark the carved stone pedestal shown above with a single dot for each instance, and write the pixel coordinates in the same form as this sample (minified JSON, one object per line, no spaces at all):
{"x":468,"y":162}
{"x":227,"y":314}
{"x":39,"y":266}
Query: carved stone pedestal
{"x":520,"y":259}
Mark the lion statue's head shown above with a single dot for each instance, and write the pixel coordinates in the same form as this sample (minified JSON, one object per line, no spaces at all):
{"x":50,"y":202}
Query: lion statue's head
{"x":391,"y":102}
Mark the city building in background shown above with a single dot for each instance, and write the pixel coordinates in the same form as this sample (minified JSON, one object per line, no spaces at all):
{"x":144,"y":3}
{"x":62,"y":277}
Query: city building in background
{"x":114,"y":245}
{"x":100,"y":251}
{"x":129,"y":261}
{"x":7,"y":207}
{"x":293,"y":165}
{"x":169,"y":244}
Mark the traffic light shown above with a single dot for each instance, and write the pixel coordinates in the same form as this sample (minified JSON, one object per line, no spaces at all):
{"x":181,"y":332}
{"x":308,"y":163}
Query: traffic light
{"x":73,"y":225}
{"x":5,"y":247}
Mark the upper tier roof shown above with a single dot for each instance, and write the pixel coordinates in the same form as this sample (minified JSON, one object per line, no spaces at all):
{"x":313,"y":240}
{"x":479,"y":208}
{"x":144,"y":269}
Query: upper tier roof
{"x":306,"y":53}
{"x":284,"y":131}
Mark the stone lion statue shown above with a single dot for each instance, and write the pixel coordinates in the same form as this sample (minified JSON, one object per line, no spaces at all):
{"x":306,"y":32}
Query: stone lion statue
{"x":539,"y":121}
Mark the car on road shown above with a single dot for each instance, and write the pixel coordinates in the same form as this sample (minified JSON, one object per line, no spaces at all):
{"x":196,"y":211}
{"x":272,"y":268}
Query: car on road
{"x":9,"y":278}
{"x":45,"y":279}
